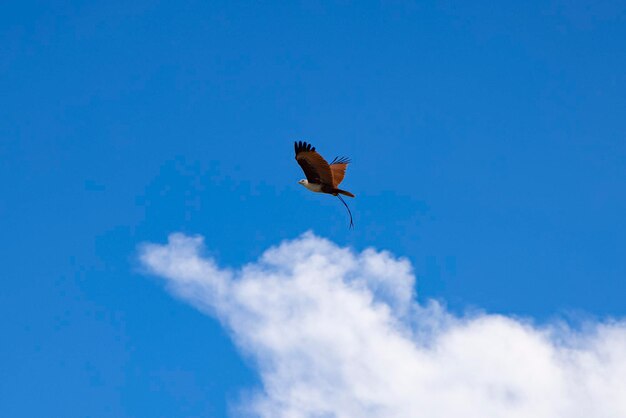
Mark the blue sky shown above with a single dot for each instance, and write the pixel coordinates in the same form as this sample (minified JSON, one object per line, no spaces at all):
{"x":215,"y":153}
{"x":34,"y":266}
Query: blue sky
{"x":487,"y":143}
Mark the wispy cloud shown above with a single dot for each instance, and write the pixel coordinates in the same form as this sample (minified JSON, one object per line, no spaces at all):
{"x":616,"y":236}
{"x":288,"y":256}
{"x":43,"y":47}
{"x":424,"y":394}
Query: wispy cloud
{"x":336,"y":333}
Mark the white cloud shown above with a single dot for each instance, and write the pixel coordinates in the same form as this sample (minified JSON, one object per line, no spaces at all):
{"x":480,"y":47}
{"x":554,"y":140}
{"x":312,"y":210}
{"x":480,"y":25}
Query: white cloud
{"x":338,"y":334}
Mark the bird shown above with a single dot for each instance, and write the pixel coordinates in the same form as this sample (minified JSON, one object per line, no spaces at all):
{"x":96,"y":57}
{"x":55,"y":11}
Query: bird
{"x":322,"y":177}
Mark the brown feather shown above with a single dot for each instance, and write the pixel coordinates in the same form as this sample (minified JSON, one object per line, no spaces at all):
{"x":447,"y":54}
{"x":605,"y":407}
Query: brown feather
{"x":339,"y":171}
{"x":344,"y":192}
{"x":315,"y":167}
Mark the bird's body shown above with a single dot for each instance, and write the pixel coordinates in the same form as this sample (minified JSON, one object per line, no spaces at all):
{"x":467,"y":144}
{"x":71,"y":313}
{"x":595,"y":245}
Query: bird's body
{"x":322,"y":177}
{"x":314,"y":187}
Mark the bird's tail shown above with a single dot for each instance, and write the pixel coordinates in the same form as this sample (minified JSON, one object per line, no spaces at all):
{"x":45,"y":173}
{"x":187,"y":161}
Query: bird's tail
{"x":343,"y":192}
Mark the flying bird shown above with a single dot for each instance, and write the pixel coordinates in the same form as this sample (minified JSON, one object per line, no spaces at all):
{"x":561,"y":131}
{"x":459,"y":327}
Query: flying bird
{"x":322,"y":177}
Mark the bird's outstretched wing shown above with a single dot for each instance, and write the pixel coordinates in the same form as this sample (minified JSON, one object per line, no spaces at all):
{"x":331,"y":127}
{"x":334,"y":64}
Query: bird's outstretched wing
{"x":338,"y":169}
{"x":315,"y":167}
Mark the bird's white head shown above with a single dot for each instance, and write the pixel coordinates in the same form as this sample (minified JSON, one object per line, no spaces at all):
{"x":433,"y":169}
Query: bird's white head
{"x":303,"y":182}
